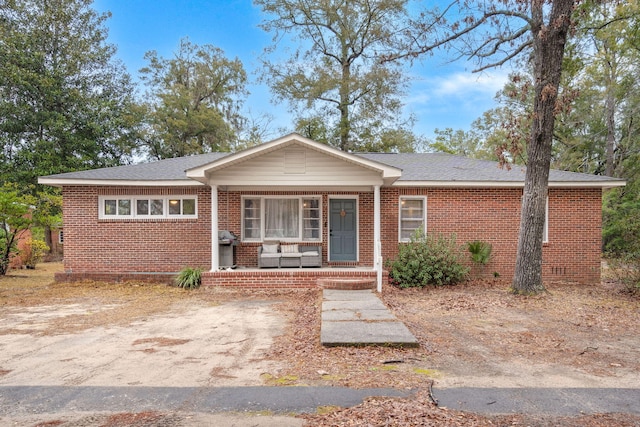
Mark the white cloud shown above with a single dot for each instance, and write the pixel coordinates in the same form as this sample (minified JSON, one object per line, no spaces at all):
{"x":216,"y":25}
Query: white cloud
{"x":442,"y":97}
{"x":462,"y":84}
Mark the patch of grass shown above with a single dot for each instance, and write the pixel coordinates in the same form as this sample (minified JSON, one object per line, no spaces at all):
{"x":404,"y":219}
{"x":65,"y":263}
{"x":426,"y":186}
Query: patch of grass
{"x":279,"y":381}
{"x":323,"y":410}
{"x":431,"y":373}
{"x":328,"y":377}
{"x":385,"y":368}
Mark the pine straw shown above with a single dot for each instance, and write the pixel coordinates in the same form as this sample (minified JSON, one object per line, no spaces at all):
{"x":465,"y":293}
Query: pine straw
{"x":419,"y":411}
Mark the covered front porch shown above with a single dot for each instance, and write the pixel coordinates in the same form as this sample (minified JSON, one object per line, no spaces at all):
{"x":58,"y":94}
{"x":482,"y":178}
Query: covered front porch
{"x":296,"y":192}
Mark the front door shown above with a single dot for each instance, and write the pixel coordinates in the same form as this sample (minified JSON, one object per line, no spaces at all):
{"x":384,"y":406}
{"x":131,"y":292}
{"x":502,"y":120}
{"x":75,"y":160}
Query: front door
{"x":343,"y":230}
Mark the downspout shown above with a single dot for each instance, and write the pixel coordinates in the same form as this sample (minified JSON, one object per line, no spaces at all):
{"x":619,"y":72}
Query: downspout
{"x":214,"y":229}
{"x":377,"y":246}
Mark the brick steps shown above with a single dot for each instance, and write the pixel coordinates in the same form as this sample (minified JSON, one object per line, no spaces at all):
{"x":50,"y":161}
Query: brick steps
{"x":347,"y":284}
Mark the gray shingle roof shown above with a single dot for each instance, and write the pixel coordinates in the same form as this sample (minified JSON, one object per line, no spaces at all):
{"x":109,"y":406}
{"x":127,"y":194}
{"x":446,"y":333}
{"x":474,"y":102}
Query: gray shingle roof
{"x":431,"y":167}
{"x":161,"y":170}
{"x":448,"y":167}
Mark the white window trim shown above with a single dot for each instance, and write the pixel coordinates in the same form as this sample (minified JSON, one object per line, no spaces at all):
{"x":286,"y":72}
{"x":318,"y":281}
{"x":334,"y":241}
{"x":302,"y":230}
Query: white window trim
{"x":61,"y":237}
{"x":135,"y":216}
{"x":545,"y":235}
{"x":262,"y":237}
{"x":424,"y":211}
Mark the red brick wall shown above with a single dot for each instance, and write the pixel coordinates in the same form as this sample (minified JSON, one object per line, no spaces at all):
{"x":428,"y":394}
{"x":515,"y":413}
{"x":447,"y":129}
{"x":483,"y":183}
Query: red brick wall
{"x":118,"y":246}
{"x":491,"y":215}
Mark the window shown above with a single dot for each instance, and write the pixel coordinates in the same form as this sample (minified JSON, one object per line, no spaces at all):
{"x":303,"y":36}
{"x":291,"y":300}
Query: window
{"x":252,"y":222}
{"x":281,"y":218}
{"x":545,"y":237}
{"x":412,"y":216}
{"x":150,"y":207}
{"x":61,"y":237}
{"x":311,"y":219}
{"x":145,"y":207}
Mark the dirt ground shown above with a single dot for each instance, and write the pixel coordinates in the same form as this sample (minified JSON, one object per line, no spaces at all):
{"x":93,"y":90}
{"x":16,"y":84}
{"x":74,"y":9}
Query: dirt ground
{"x":476,"y":334}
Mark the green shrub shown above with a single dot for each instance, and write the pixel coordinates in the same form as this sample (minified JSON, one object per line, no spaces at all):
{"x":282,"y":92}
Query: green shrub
{"x":480,"y":251}
{"x":33,"y":252}
{"x":189,"y":278}
{"x":428,"y":260}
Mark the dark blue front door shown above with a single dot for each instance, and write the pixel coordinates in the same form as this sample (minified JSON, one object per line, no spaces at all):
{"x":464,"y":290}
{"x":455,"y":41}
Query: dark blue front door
{"x":343,"y":233}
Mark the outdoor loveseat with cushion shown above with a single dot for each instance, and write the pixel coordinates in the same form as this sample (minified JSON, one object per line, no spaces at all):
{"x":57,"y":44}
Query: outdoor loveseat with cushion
{"x":289,"y":255}
{"x":269,"y":255}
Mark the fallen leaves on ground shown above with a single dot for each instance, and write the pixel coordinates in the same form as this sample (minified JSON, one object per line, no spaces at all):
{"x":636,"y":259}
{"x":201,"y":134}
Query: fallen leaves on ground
{"x":474,"y":329}
{"x":419,"y":411}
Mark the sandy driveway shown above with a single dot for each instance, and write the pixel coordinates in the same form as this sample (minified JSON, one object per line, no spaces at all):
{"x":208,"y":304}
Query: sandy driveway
{"x":185,"y":346}
{"x":200,"y":345}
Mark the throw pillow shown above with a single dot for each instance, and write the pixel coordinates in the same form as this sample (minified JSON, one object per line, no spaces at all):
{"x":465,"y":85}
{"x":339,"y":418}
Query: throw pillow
{"x":270,"y":249}
{"x":289,"y":249}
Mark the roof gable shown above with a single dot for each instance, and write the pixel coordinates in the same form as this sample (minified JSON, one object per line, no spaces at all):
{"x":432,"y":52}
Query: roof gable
{"x":312,"y":162}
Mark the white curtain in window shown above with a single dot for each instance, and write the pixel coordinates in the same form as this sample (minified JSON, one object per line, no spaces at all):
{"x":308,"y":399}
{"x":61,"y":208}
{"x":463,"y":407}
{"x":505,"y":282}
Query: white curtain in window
{"x":281,"y":218}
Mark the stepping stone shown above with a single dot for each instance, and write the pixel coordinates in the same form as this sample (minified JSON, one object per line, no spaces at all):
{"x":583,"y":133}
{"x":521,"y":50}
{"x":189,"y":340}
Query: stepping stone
{"x":356,"y":333}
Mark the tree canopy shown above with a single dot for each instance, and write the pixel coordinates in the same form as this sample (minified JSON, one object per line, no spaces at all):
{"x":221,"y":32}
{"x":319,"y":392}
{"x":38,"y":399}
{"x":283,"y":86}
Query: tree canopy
{"x":65,"y":102}
{"x":195,"y":99}
{"x":335,"y":76}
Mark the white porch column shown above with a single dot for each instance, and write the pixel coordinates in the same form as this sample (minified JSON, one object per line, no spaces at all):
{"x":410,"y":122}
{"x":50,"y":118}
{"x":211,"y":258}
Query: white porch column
{"x":377,"y":245}
{"x":215,"y":249}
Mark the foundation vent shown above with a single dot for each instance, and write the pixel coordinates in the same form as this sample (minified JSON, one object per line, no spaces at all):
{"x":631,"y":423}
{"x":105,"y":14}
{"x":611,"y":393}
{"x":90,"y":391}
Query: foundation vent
{"x":559,"y":271}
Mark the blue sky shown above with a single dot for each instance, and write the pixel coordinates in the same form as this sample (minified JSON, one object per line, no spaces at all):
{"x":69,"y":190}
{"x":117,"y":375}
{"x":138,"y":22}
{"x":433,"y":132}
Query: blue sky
{"x":441,"y":95}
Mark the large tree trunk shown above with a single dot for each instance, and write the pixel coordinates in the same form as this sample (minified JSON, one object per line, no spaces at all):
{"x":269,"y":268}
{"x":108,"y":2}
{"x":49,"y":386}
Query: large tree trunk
{"x":548,"y":51}
{"x":610,"y":105}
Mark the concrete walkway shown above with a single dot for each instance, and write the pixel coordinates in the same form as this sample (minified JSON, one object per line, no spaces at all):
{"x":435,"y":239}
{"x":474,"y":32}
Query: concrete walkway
{"x":355,"y":318}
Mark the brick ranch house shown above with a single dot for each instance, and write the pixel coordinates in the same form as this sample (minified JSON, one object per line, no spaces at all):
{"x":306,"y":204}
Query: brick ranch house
{"x":148,"y":221}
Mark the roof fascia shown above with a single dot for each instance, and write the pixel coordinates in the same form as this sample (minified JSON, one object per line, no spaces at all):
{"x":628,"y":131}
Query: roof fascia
{"x":59,"y":182}
{"x":507,"y":184}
